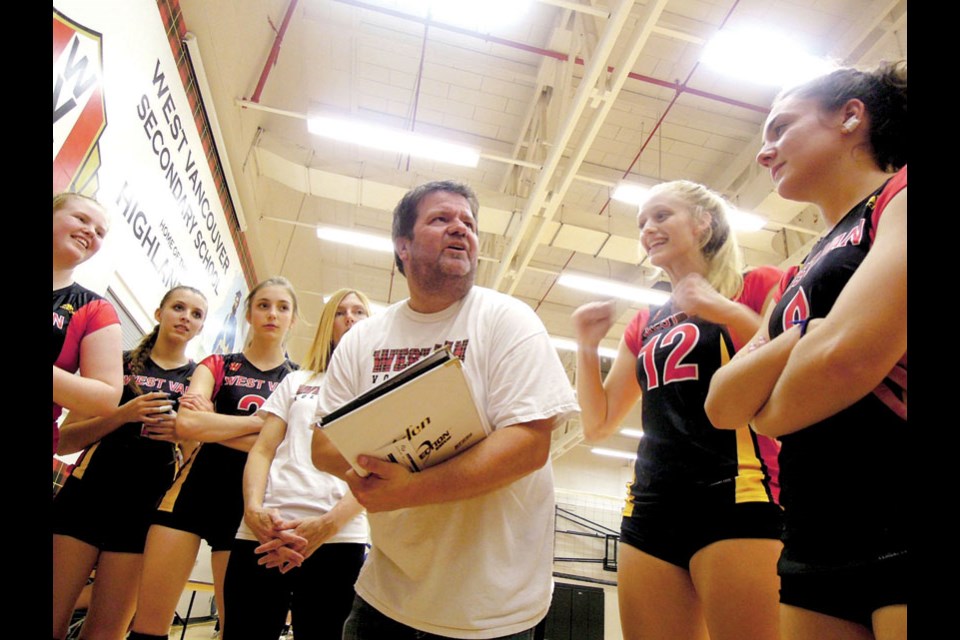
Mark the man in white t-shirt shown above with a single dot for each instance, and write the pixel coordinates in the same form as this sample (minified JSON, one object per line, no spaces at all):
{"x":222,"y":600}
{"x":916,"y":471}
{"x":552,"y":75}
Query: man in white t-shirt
{"x":463,"y":549}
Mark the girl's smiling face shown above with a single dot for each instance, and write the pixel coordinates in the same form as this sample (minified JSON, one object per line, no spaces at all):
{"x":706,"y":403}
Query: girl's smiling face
{"x":668,"y":230}
{"x":79,"y":227}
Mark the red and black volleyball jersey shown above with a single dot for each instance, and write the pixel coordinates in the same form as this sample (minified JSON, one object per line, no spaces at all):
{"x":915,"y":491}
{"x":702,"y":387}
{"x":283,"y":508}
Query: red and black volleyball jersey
{"x":843,"y":476}
{"x":124,"y":445}
{"x":77,"y":312}
{"x":240,"y":389}
{"x":681,"y":454}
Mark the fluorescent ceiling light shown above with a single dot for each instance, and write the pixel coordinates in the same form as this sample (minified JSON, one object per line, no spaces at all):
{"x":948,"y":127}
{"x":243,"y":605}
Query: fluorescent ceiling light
{"x":630,"y":192}
{"x":613,"y":453}
{"x":566,"y":344}
{"x":632,"y":433}
{"x":602,"y":287}
{"x":389,"y":139}
{"x":355,"y":238}
{"x":762,"y":56}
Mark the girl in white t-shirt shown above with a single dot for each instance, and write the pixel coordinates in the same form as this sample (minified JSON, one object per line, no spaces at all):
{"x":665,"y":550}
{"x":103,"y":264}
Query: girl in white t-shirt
{"x":302,"y":540}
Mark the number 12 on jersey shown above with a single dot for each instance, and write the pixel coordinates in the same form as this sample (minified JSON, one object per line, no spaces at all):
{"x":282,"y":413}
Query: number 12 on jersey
{"x":680,"y":341}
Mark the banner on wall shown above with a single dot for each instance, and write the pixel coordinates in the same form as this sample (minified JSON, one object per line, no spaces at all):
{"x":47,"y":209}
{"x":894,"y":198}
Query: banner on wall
{"x":124,"y":133}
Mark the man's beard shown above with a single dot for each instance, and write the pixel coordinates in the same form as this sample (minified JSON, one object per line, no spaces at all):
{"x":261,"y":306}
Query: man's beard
{"x":433,"y":279}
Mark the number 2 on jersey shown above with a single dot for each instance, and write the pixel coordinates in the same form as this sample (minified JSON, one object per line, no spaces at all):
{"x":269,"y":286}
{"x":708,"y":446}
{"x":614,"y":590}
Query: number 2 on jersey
{"x":251,"y":400}
{"x":681,"y":340}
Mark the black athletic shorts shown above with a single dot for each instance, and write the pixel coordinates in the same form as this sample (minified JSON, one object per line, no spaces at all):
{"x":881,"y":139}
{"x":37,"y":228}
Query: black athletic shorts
{"x":207,"y":498}
{"x":112,"y":505}
{"x":675,"y":532}
{"x":849,"y":592}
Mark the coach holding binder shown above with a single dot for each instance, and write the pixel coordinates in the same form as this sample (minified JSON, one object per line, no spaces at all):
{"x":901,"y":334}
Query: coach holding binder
{"x":463,"y":549}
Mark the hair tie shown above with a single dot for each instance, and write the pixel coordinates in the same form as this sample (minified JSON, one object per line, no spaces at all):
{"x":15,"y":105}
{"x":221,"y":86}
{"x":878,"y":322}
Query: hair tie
{"x":803,"y":326}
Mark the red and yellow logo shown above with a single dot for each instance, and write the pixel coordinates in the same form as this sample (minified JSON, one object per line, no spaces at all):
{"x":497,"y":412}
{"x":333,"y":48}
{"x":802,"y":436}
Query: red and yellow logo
{"x":79,"y":114}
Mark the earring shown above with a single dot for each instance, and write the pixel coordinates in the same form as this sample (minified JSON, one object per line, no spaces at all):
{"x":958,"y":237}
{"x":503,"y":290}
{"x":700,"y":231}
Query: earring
{"x":850,"y":124}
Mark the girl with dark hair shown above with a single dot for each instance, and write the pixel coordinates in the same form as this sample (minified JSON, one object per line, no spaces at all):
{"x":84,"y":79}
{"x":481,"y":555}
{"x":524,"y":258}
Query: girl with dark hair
{"x":826,"y":373}
{"x":298,"y":519}
{"x":700,"y":532}
{"x":86,"y":330}
{"x":220,"y":412}
{"x":102,"y":513}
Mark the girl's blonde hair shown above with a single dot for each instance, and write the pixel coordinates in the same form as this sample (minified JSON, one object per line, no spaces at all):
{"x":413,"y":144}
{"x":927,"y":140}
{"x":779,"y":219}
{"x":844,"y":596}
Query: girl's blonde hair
{"x":318,"y":357}
{"x":60,"y":200}
{"x":718,"y":244}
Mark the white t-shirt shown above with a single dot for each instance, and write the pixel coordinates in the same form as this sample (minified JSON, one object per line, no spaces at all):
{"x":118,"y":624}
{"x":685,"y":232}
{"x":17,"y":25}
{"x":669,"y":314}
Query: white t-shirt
{"x":294,"y":486}
{"x":481,"y":567}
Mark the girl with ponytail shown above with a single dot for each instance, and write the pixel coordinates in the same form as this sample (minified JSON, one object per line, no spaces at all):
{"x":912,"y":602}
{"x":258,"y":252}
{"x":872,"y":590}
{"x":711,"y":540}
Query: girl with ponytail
{"x":700,"y":534}
{"x":102,"y":513}
{"x":826,"y":373}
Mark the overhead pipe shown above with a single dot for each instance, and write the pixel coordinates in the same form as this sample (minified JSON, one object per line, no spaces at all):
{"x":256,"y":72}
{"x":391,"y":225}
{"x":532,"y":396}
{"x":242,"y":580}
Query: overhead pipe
{"x":274,"y":52}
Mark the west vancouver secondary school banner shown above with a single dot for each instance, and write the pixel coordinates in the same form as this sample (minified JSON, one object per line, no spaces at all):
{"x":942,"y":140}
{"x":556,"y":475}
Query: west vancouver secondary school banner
{"x":124,"y":133}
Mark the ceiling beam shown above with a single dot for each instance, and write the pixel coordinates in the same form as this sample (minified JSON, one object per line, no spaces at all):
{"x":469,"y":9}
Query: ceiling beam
{"x":581,"y":100}
{"x":603,"y":101}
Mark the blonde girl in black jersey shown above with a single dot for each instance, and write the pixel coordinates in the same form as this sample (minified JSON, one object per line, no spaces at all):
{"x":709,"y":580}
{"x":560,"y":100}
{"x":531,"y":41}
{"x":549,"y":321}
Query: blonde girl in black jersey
{"x":700,"y":533}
